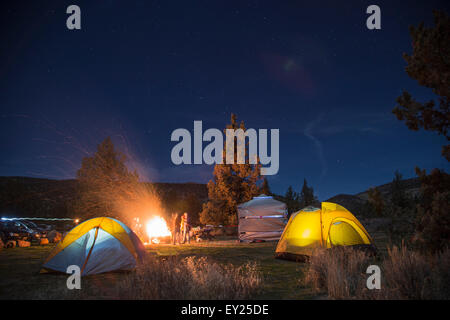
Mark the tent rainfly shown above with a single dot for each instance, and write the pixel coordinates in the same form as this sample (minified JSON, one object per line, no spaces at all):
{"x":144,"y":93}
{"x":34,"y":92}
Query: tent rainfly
{"x":96,"y":246}
{"x":261,"y":219}
{"x":328,"y":227}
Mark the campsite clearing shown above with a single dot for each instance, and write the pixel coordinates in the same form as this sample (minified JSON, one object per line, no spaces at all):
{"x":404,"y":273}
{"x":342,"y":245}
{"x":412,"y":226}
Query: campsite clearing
{"x":19,"y":271}
{"x":20,"y":277}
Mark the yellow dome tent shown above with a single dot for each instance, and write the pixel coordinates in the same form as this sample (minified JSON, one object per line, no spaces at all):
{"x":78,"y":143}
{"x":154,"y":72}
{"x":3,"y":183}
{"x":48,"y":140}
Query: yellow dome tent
{"x":311,"y":228}
{"x":97,"y":245}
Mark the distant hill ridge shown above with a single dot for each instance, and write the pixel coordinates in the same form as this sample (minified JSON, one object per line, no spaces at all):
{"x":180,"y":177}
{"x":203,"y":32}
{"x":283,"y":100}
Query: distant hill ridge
{"x":40,"y":197}
{"x":355,"y":202}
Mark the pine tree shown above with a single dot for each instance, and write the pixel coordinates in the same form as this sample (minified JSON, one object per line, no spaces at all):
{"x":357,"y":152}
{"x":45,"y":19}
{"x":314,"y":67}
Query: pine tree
{"x":398,"y":195}
{"x":291,"y":198}
{"x":104,"y":180}
{"x":307,"y":197}
{"x":231,"y":185}
{"x":265,"y":188}
{"x":429,"y":64}
{"x":105,"y":167}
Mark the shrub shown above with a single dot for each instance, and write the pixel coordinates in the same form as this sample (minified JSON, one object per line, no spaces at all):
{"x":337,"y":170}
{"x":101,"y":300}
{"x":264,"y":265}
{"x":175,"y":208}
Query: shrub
{"x":433,"y":226}
{"x":405,"y":274}
{"x":409,"y":274}
{"x":402,"y":224}
{"x":189,"y":278}
{"x":340,"y":272}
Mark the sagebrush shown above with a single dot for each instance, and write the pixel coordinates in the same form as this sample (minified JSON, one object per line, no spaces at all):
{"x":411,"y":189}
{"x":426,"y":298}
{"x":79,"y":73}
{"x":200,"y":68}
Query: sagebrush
{"x":405,"y":274}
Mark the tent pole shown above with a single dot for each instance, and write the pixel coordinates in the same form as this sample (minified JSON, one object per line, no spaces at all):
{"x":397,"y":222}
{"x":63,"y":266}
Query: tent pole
{"x":90,"y":250}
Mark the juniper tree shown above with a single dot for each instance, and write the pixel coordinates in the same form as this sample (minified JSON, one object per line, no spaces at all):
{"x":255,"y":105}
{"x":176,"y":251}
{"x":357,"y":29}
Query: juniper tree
{"x":105,"y":182}
{"x":433,"y":223}
{"x":429,"y":64}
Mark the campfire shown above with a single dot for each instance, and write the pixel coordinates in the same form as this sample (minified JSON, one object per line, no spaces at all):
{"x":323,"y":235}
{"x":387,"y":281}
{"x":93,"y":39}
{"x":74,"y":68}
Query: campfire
{"x":157,"y":231}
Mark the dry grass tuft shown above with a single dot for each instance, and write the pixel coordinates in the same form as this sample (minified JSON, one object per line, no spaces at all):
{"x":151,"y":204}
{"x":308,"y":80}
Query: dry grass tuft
{"x":189,"y":278}
{"x":405,"y":274}
{"x":339,"y":272}
{"x":408,"y":274}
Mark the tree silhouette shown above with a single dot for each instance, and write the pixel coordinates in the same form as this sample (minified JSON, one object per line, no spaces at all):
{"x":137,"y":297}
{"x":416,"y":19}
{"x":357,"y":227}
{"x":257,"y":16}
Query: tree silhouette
{"x":433,"y":224}
{"x":376,"y":200}
{"x":307,"y":197}
{"x":429,"y":64}
{"x":104,"y":181}
{"x":231,"y":185}
{"x":398,"y":195}
{"x":291,"y":198}
{"x":265,"y":188}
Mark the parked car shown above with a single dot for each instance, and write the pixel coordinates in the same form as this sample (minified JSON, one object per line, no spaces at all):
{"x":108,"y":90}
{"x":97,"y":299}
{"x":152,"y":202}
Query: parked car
{"x":46,"y":227}
{"x":38,"y":231}
{"x":11,"y":230}
{"x":20,"y":230}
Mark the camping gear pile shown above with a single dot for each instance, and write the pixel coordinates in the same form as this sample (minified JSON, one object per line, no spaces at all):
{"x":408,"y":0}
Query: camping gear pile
{"x":54,"y":236}
{"x":202,"y":234}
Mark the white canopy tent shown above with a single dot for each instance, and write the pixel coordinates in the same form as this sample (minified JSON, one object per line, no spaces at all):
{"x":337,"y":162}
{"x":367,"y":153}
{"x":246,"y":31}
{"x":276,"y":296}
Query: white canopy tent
{"x":262,"y":218}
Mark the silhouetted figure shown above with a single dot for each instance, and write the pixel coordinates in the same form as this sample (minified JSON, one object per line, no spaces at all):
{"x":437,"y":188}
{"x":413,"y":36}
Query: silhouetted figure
{"x":175,"y":227}
{"x":185,"y":228}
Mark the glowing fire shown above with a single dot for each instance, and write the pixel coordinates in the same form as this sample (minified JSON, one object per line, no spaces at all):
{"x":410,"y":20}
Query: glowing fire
{"x":157,"y":228}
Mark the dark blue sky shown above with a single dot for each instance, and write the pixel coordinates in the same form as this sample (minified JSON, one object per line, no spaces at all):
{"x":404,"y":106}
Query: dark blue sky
{"x":137,"y":70}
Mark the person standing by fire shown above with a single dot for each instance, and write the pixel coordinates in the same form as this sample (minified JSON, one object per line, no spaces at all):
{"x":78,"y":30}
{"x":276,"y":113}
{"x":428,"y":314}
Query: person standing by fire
{"x":175,"y":227}
{"x":184,"y":228}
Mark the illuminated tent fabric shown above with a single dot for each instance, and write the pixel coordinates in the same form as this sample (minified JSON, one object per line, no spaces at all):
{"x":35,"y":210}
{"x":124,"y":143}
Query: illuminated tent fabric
{"x":262,"y":218}
{"x":97,"y":245}
{"x":310,"y":228}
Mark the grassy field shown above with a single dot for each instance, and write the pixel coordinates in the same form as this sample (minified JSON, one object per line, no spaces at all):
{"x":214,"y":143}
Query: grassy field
{"x":20,"y":278}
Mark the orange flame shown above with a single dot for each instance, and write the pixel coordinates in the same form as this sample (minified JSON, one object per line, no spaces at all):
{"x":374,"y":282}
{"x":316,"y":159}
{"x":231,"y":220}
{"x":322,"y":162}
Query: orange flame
{"x":157,"y":228}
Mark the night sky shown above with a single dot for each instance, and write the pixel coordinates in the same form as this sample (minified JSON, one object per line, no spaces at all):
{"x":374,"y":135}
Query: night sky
{"x":137,"y":70}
